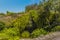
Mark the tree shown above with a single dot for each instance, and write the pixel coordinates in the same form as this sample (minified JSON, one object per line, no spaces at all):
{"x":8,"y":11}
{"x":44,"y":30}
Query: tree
{"x":32,"y":24}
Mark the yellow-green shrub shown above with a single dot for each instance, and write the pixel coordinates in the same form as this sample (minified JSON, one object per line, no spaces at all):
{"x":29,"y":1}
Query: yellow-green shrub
{"x":25,"y":34}
{"x":38,"y":32}
{"x":57,"y":28}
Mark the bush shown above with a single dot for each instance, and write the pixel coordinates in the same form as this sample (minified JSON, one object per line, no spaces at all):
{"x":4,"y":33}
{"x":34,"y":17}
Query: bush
{"x":11,"y":31}
{"x":14,"y":38}
{"x":38,"y":32}
{"x":2,"y":25}
{"x":21,"y":22}
{"x":9,"y":34}
{"x":25,"y":34}
{"x":4,"y":36}
{"x":57,"y":28}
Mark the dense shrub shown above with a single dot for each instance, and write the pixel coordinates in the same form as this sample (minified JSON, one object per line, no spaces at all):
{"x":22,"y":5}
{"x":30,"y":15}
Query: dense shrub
{"x":2,"y":25}
{"x":21,"y":22}
{"x":38,"y":32}
{"x":4,"y":36}
{"x":57,"y":28}
{"x":14,"y":38}
{"x":25,"y":34}
{"x":9,"y":34}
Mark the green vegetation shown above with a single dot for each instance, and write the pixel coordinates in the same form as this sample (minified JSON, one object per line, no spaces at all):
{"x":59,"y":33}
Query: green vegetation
{"x":57,"y":28}
{"x":25,"y":34}
{"x":38,"y":19}
{"x":38,"y":32}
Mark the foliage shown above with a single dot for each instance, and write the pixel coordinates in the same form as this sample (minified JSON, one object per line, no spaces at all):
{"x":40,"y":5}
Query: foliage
{"x":57,"y":28}
{"x":2,"y":25}
{"x":4,"y":36}
{"x":10,"y":13}
{"x":38,"y":32}
{"x":9,"y":34}
{"x":37,"y":20}
{"x":25,"y":34}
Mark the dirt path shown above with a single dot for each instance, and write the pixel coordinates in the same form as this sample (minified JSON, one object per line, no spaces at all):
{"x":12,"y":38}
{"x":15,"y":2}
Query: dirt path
{"x":57,"y":38}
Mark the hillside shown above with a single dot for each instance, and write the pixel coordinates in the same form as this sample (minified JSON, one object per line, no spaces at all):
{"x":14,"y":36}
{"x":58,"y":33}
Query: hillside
{"x":38,"y":19}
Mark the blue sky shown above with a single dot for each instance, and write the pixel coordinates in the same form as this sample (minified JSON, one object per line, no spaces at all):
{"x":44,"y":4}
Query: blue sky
{"x":15,"y":5}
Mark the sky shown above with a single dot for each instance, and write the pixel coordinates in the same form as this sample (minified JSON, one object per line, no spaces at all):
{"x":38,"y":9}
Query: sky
{"x":15,"y":5}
